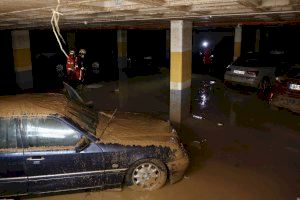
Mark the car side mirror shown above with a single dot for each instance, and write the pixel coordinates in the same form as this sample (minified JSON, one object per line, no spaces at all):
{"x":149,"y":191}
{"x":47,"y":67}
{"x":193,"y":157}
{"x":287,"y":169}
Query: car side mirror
{"x":83,"y":143}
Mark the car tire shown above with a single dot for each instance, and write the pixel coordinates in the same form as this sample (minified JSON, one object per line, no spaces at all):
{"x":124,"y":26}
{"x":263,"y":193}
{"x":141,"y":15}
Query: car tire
{"x":146,"y":175}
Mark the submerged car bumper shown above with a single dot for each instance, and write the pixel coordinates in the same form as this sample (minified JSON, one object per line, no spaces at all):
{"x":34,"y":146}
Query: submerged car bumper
{"x":289,"y":103}
{"x":241,"y":80}
{"x":177,"y":168}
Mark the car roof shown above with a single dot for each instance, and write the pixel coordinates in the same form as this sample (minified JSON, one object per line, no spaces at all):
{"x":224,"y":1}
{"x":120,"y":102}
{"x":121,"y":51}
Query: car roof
{"x":33,"y":105}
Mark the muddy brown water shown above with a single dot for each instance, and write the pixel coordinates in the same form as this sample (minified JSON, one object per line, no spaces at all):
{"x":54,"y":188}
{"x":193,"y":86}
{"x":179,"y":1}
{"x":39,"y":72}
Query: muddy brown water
{"x":239,"y":149}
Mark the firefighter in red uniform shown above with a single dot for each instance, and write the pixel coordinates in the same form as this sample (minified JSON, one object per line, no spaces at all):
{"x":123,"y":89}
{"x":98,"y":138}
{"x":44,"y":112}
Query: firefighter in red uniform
{"x":207,"y":57}
{"x":71,"y":75}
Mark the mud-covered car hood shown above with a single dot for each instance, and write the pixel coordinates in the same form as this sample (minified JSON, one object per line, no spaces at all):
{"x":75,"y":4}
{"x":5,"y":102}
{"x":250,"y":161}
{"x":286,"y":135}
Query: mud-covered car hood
{"x":135,"y":129}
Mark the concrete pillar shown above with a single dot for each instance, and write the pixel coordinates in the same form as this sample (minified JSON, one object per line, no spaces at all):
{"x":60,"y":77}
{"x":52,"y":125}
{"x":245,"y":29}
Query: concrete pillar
{"x":181,"y":73}
{"x":167,"y":46}
{"x":122,"y":53}
{"x":257,"y":40}
{"x":122,"y":64}
{"x":237,"y":42}
{"x":22,"y":58}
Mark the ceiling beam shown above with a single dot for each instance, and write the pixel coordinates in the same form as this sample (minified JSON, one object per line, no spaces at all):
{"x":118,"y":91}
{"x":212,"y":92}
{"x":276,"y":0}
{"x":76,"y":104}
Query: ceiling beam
{"x":150,"y":2}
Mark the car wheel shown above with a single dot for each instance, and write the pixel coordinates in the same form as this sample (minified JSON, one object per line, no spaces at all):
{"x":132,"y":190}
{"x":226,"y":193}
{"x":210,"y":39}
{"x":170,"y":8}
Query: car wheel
{"x":147,"y":175}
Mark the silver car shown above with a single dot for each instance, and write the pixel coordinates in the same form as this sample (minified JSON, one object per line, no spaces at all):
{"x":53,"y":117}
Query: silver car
{"x":254,"y":70}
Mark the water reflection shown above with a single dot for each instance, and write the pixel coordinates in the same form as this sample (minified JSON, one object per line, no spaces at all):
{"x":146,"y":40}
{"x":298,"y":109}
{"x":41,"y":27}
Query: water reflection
{"x":203,"y":100}
{"x":237,"y":106}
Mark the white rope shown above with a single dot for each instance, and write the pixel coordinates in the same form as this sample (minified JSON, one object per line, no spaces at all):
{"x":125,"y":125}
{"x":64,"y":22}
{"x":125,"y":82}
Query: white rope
{"x":56,"y":20}
{"x":55,"y":27}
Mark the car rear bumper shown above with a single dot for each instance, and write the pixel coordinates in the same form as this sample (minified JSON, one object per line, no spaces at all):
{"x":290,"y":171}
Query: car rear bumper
{"x":241,"y":80}
{"x":177,"y":168}
{"x":284,"y":101}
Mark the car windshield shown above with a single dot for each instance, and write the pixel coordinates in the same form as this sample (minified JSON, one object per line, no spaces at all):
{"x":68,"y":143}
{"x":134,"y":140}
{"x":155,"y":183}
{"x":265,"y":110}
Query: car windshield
{"x":78,"y":110}
{"x":294,"y":73}
{"x":259,"y":61}
{"x":247,"y":62}
{"x":84,"y":116}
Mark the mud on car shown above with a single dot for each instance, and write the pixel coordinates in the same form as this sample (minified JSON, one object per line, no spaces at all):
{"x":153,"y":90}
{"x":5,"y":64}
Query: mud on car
{"x":49,"y":143}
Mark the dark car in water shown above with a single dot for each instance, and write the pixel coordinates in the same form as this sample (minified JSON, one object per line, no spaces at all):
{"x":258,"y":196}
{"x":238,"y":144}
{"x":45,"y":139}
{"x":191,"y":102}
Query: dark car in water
{"x":49,"y":143}
{"x":286,"y":91}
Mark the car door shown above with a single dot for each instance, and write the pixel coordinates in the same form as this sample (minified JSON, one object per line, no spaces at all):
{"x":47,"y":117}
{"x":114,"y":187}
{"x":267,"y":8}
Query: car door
{"x":12,"y":174}
{"x":54,"y":161}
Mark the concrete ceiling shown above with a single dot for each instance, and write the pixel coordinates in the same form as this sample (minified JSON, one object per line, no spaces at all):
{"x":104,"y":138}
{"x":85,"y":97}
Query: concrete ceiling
{"x":20,"y":14}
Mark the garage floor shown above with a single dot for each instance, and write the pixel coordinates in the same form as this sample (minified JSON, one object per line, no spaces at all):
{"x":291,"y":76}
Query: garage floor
{"x":239,"y":147}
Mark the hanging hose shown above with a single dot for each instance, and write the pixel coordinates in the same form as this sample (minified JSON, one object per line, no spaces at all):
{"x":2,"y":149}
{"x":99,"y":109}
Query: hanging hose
{"x":55,"y":27}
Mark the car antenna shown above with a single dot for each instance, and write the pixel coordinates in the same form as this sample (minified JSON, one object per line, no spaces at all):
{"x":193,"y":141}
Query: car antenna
{"x":111,"y":118}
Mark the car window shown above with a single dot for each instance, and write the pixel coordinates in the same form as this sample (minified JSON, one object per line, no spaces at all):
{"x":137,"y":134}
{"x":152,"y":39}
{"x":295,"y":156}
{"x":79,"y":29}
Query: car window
{"x":248,"y":62}
{"x":88,"y":118}
{"x":294,"y":73}
{"x":8,"y":133}
{"x":49,"y":132}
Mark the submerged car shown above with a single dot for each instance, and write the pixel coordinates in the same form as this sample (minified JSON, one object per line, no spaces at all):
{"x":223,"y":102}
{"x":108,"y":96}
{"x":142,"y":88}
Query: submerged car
{"x":286,"y":91}
{"x":49,"y":143}
{"x":255,"y":70}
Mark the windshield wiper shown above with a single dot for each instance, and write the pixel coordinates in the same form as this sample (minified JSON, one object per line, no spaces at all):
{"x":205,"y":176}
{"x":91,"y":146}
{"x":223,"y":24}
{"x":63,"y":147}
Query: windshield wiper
{"x":109,"y":121}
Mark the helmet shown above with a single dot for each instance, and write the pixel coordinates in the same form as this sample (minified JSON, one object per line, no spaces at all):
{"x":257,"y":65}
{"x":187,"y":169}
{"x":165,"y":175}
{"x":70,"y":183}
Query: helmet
{"x":82,"y":51}
{"x":71,"y":52}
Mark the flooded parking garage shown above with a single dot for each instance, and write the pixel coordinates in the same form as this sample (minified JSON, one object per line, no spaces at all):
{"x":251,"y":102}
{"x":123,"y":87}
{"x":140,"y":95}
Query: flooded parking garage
{"x":160,"y":99}
{"x":239,"y":148}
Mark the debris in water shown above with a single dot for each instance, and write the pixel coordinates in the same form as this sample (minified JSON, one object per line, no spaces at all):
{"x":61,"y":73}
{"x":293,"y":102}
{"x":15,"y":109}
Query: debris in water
{"x":203,"y":140}
{"x":220,"y":124}
{"x":196,"y":144}
{"x":291,"y":149}
{"x":212,"y":82}
{"x":197,"y":117}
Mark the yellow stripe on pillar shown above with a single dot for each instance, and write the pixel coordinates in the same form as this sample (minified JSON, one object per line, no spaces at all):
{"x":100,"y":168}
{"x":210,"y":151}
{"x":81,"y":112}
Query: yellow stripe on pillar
{"x":237,"y":50}
{"x":22,"y":58}
{"x":122,"y":49}
{"x":180,"y":61}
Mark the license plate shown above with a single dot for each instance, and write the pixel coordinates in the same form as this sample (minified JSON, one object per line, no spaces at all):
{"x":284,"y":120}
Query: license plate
{"x":239,"y":72}
{"x":294,"y":87}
